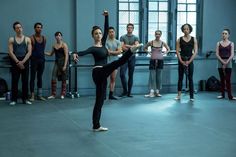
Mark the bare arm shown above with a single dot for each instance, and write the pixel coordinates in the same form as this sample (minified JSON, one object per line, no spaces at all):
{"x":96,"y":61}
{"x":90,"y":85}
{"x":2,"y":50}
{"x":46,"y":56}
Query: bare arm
{"x":194,"y":53}
{"x":50,"y":53}
{"x":66,"y":52}
{"x":178,"y":50}
{"x":10,"y":50}
{"x":232,"y":53}
{"x":29,"y":50}
{"x":217,"y":54}
{"x":167,"y":47}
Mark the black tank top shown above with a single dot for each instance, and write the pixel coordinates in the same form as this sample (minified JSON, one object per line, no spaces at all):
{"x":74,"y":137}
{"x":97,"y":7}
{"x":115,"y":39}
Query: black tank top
{"x":20,"y":50}
{"x":186,"y":47}
{"x":225,"y":52}
{"x":38,"y":50}
{"x":59,"y":53}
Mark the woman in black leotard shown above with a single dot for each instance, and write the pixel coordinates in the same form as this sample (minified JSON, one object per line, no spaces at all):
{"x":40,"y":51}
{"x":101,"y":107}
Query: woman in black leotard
{"x":101,"y":69}
{"x":186,"y":50}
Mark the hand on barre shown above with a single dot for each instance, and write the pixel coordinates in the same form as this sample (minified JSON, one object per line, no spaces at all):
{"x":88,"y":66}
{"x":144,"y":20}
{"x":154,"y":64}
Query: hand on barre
{"x":75,"y":57}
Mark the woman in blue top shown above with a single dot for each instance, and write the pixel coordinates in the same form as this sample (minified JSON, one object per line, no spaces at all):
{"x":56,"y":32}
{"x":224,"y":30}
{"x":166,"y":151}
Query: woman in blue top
{"x":101,"y":69}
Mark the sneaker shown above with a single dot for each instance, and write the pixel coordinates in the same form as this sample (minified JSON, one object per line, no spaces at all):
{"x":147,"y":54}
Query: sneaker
{"x":100,"y":129}
{"x":150,"y":95}
{"x":220,"y":97}
{"x":192,"y":99}
{"x":136,"y":47}
{"x":27,"y":102}
{"x":41,"y":98}
{"x":13,"y":103}
{"x":62,"y":97}
{"x":233,"y":98}
{"x":111,"y":97}
{"x":51,"y":97}
{"x":158,"y":95}
{"x":177,"y":98}
{"x":32,"y":98}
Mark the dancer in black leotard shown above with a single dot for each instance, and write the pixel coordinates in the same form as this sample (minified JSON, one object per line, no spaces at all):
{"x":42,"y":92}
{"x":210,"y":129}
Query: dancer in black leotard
{"x":101,"y":69}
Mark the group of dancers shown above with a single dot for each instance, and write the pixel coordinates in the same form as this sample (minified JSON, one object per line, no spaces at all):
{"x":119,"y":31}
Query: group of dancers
{"x":25,"y":51}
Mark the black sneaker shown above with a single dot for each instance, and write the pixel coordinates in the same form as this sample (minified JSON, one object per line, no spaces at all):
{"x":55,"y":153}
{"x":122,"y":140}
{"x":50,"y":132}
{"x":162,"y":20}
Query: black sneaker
{"x":112,"y":97}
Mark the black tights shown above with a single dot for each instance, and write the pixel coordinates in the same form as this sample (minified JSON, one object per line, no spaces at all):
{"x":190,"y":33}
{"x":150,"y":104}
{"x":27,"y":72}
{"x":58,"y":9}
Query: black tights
{"x":100,"y":75}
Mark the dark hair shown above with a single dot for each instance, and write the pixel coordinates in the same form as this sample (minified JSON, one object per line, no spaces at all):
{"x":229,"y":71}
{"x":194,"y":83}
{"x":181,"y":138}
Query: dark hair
{"x":111,"y":28}
{"x":95,"y":28}
{"x":38,"y":23}
{"x":130,"y":24}
{"x":158,"y":31}
{"x":189,"y":26}
{"x":226,"y":29}
{"x":15,"y":23}
{"x":57,"y":33}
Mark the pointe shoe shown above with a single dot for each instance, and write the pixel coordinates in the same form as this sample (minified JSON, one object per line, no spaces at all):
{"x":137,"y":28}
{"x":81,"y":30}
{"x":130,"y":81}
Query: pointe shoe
{"x":135,"y":48}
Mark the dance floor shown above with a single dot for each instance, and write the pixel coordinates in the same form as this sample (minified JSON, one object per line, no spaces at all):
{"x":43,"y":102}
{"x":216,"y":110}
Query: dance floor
{"x":138,"y":127}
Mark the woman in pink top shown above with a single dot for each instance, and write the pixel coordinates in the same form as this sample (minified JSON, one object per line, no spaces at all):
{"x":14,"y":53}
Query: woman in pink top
{"x":156,"y":64}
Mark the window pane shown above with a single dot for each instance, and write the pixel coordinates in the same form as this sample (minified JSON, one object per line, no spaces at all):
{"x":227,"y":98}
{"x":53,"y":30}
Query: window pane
{"x":179,"y":32}
{"x":152,"y":5}
{"x":181,"y":18}
{"x":164,"y":36}
{"x":123,"y":17}
{"x":163,"y":17}
{"x":134,"y":6}
{"x":122,"y":30}
{"x":136,"y":30}
{"x":191,"y":7}
{"x":153,"y":17}
{"x":151,"y":31}
{"x":181,"y":1}
{"x":163,"y":6}
{"x":163,"y":27}
{"x":194,"y":30}
{"x":191,"y":18}
{"x":191,"y":1}
{"x":123,"y":6}
{"x":182,"y":7}
{"x":134,"y":17}
{"x":134,"y":0}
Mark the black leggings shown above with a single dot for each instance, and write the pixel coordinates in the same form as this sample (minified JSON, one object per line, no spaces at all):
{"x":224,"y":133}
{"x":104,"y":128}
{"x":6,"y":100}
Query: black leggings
{"x":37,"y":66}
{"x":100,"y":75}
{"x":189,"y":71}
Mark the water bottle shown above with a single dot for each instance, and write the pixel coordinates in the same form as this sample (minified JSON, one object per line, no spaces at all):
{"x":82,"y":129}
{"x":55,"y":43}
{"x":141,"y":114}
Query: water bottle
{"x":8,"y":96}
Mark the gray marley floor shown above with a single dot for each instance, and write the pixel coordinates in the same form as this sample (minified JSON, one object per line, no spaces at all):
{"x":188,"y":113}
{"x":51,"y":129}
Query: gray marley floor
{"x":138,"y":127}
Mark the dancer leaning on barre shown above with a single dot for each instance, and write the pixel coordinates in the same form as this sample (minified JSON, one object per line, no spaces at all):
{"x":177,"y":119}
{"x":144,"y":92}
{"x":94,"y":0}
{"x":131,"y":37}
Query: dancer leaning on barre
{"x":101,"y":69}
{"x":59,"y":72}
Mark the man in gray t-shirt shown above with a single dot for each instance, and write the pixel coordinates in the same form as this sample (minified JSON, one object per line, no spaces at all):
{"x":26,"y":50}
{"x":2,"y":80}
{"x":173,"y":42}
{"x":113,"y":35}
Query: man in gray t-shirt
{"x":127,"y":41}
{"x":114,"y":49}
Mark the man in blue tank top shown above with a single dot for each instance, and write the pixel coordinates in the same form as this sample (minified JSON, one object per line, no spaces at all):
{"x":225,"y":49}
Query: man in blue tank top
{"x":19,"y":49}
{"x":37,"y":61}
